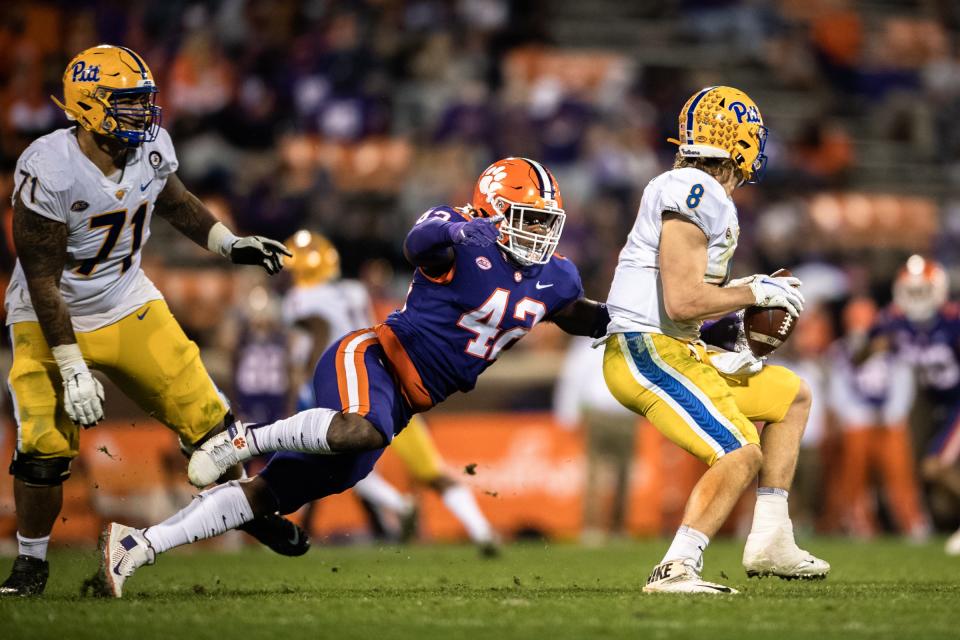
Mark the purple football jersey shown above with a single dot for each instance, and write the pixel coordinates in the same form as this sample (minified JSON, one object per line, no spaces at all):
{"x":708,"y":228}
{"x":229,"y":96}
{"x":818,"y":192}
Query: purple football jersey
{"x":933,"y":348}
{"x":455,"y":326}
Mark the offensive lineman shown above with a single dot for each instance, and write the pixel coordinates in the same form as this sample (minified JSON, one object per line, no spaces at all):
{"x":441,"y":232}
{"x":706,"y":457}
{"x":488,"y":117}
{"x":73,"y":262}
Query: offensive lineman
{"x":672,"y":275}
{"x":83,"y":200}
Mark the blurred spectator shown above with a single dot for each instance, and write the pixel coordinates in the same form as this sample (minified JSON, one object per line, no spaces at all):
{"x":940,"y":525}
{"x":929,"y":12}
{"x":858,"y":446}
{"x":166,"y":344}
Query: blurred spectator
{"x":581,"y":398}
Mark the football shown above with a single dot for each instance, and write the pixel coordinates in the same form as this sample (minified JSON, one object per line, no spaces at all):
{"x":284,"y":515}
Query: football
{"x":767,"y":328}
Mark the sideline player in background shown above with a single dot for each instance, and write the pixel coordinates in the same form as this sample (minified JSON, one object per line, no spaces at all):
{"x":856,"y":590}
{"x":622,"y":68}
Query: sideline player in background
{"x":323,"y":305}
{"x":486,"y":275}
{"x":672,"y":275}
{"x":924,"y":328}
{"x":82,"y":204}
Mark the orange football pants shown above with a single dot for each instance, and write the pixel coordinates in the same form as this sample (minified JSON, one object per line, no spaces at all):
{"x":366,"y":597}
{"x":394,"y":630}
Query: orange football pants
{"x":885,"y":453}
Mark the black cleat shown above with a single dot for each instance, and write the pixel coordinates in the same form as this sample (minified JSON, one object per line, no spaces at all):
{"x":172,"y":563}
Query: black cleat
{"x":28,"y":577}
{"x":278,"y":534}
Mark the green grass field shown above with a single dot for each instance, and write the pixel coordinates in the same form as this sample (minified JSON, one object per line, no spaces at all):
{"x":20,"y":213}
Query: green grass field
{"x":882,"y":589}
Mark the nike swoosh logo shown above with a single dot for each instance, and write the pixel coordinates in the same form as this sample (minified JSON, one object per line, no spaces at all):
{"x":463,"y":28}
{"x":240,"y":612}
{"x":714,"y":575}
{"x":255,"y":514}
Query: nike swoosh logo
{"x":295,"y":538}
{"x":141,"y":316}
{"x":143,"y":187}
{"x":116,"y":569}
{"x":543,"y":286}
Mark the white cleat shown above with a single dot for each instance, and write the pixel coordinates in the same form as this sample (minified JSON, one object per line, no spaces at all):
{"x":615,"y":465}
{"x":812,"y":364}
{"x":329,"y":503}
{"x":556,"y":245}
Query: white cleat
{"x":777,"y":554}
{"x":122,"y":551}
{"x":676,"y":576}
{"x":218,"y":454}
{"x":952,"y":546}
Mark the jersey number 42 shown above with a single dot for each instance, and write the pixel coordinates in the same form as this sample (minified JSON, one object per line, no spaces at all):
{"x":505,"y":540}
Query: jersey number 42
{"x":484,"y":321}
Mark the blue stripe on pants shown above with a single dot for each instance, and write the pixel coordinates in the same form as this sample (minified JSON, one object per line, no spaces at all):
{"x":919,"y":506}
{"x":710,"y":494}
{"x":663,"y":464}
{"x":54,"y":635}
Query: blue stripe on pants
{"x":681,"y":395}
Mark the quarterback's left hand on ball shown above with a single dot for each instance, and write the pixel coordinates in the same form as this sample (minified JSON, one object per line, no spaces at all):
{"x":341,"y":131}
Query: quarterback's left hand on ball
{"x":736,"y":363}
{"x":259,"y":250}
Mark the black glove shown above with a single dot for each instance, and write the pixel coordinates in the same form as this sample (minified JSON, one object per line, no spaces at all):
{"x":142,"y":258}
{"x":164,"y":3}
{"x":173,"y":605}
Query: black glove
{"x":259,"y":250}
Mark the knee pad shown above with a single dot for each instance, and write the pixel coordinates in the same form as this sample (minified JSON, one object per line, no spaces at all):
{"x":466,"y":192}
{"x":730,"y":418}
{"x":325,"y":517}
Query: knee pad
{"x":40,"y":472}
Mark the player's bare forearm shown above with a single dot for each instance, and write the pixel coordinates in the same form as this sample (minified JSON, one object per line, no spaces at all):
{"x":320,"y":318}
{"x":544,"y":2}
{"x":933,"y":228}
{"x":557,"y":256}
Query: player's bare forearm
{"x":583,"y":317}
{"x":683,"y":263}
{"x":42,"y":249}
{"x":184,"y":211}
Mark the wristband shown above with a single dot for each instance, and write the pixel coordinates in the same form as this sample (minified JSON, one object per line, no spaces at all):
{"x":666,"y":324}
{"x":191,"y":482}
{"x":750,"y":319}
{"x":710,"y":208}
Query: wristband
{"x":69,"y":359}
{"x":221,"y":239}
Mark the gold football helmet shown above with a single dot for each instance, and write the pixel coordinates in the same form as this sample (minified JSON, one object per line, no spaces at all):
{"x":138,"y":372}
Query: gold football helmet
{"x":109,"y":90}
{"x":315,"y":260}
{"x":723,"y":122}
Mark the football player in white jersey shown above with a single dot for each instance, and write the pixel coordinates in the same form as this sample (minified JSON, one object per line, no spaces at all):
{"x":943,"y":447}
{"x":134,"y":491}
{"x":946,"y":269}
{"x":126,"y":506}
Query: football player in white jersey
{"x":672,"y":274}
{"x":326,"y":306}
{"x":82,"y":202}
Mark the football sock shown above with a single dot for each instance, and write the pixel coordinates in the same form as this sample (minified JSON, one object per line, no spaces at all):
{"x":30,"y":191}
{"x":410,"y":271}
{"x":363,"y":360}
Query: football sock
{"x":461,"y":503}
{"x":305,"y":431}
{"x":771,"y":511}
{"x":211,"y":513}
{"x":33,"y":547}
{"x":381,"y":494}
{"x":688,"y":544}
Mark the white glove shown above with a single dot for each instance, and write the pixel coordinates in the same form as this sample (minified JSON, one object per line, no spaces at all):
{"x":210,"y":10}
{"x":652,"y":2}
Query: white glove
{"x":779,"y":291}
{"x":736,"y":363}
{"x":82,"y":393}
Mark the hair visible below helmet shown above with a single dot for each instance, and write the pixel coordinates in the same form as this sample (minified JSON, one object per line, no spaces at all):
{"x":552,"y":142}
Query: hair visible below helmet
{"x":528,"y":198}
{"x":97,"y":86}
{"x":921,"y":288}
{"x":315,"y":260}
{"x":723,"y":122}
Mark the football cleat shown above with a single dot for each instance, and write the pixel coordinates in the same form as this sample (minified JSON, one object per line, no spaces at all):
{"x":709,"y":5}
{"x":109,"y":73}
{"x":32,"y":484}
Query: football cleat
{"x":278,"y":534}
{"x":123,"y":550}
{"x":953,"y":544}
{"x":215,"y":456}
{"x":677,"y":576}
{"x":27,"y":578}
{"x":777,"y":554}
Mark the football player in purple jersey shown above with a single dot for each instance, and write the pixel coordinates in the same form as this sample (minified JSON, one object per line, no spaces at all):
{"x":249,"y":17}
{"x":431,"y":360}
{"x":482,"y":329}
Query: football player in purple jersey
{"x":486,"y":274}
{"x":924,"y":327}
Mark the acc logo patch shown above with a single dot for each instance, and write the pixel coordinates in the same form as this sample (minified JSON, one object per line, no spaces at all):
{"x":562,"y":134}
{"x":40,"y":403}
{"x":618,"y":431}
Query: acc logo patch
{"x":79,"y":205}
{"x":155,"y":159}
{"x":483,"y":263}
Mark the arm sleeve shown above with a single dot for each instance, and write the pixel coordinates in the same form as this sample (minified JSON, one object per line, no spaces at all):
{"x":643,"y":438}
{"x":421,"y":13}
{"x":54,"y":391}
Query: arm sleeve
{"x":693,"y":195}
{"x":429,"y":239}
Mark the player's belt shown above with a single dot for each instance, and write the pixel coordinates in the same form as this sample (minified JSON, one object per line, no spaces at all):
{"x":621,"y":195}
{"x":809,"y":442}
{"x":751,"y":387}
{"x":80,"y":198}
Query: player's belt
{"x":411,"y":385}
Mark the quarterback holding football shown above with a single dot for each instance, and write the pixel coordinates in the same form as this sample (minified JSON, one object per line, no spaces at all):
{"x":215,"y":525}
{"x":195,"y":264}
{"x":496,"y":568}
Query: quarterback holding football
{"x":672,"y":275}
{"x":82,"y":205}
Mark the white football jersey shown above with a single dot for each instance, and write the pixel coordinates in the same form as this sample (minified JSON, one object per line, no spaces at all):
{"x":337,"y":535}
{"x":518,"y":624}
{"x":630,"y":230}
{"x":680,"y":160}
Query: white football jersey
{"x":343,"y":304}
{"x":108,"y":224}
{"x":636,"y":295}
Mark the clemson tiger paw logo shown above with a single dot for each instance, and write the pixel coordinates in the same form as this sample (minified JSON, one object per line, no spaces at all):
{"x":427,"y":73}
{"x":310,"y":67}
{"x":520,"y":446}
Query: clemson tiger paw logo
{"x":239,"y":442}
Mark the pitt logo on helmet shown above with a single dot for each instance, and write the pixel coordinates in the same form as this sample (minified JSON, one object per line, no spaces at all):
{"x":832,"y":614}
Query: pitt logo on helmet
{"x":109,"y":91}
{"x":723,"y":122}
{"x":83,"y":73}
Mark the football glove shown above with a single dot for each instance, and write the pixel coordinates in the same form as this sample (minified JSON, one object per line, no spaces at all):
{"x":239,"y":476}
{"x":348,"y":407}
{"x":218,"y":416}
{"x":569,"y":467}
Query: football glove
{"x":736,"y":363}
{"x":260,"y":251}
{"x":775,"y":291}
{"x":82,"y":393}
{"x":479,"y":232}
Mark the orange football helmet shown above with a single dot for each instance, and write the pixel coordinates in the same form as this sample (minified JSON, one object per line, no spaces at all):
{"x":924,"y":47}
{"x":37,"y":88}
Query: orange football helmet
{"x":921,"y":288}
{"x":528,"y":198}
